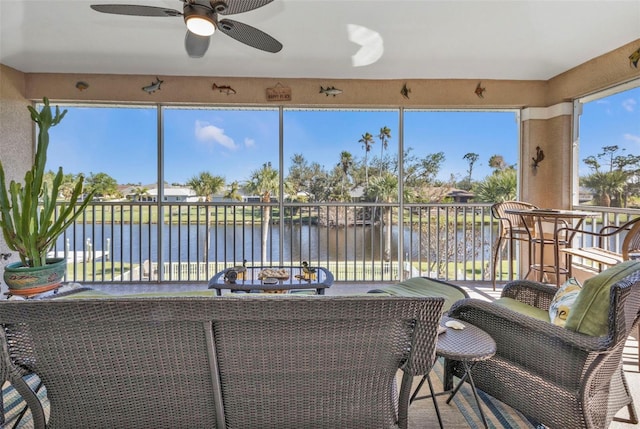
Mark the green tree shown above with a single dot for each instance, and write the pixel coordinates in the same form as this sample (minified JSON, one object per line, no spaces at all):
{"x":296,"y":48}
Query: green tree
{"x":367,"y":144}
{"x":104,"y":185}
{"x":615,"y":185}
{"x":299,"y":176}
{"x":205,"y":184}
{"x":264,"y":182}
{"x":138,"y":192}
{"x":65,"y":189}
{"x":420,"y":183}
{"x":385,"y":189}
{"x":233,"y":193}
{"x":471,"y":158}
{"x":321,"y":186}
{"x":384,"y":136}
{"x":498,"y":163}
{"x":609,"y":154}
{"x":605,"y":184}
{"x":497,"y":187}
{"x":344,"y":167}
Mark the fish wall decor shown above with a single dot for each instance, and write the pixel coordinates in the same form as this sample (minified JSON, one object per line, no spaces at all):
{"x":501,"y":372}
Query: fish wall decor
{"x":153,"y":87}
{"x":330,"y":90}
{"x":224,"y":89}
{"x":405,"y":90}
{"x":82,"y":85}
{"x":480,"y":90}
{"x":634,"y":58}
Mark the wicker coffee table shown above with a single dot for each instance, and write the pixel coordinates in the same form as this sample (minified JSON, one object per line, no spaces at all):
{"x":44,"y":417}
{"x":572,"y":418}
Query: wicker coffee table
{"x":469,"y":346}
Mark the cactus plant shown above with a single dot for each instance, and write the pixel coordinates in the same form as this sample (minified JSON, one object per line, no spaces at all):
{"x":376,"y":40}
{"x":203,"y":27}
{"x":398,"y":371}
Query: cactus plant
{"x":28,"y":211}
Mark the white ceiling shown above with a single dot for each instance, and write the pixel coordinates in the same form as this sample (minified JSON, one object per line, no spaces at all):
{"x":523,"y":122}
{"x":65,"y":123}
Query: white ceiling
{"x":503,"y":39}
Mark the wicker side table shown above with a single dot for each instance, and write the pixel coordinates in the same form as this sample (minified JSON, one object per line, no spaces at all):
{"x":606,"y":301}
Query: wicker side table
{"x":469,"y":346}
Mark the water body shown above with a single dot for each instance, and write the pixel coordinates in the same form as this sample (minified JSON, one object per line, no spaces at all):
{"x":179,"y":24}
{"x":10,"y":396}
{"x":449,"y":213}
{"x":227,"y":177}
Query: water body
{"x":133,"y":243}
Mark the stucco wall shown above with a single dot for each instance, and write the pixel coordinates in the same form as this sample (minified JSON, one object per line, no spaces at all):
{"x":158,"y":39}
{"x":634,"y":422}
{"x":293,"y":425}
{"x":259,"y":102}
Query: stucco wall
{"x":594,"y":75}
{"x":304,"y":92}
{"x":16,"y":135}
{"x":549,"y":184}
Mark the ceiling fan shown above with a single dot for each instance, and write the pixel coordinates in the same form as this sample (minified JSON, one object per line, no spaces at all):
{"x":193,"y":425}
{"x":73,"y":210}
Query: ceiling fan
{"x":201,"y":18}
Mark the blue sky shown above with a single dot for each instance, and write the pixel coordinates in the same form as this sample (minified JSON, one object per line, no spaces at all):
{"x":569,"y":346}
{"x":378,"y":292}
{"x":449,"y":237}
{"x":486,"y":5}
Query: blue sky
{"x":232,"y":143}
{"x":611,"y":121}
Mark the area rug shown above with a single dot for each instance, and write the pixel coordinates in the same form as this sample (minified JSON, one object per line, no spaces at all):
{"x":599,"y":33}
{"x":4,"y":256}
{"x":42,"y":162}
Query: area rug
{"x":462,"y":412}
{"x":14,"y":406}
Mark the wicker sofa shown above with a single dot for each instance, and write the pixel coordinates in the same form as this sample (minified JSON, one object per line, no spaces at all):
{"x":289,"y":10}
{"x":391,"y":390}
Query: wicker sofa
{"x":242,"y":362}
{"x":560,"y":376}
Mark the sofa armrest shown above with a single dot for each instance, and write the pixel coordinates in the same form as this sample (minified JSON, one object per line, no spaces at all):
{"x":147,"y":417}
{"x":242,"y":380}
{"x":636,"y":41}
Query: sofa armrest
{"x":531,"y":293}
{"x":553,"y":352}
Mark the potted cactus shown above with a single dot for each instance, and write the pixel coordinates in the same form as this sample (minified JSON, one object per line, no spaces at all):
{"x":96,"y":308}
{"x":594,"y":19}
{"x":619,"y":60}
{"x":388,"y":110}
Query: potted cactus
{"x":28,"y":216}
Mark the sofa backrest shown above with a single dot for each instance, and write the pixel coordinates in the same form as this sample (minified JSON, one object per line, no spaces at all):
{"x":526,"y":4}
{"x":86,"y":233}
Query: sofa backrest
{"x":281,"y":362}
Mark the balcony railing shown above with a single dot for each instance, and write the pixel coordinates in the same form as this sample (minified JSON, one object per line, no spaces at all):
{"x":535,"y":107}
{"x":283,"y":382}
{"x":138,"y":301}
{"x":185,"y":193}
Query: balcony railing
{"x":358,"y":242}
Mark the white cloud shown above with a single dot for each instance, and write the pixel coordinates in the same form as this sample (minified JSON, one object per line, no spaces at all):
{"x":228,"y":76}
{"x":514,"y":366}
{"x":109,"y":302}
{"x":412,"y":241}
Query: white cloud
{"x":206,"y":132}
{"x":633,"y":138}
{"x":629,"y":104}
{"x":249,"y":142}
{"x":606,"y":106}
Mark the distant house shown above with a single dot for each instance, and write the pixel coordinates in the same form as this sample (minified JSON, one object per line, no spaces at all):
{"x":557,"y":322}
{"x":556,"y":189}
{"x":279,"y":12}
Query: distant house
{"x":585,"y":195}
{"x":460,"y":195}
{"x":175,"y":195}
{"x":171,"y":194}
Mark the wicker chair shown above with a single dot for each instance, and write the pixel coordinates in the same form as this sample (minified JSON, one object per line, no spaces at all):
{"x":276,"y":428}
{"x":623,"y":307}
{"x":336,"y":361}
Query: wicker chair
{"x":562,"y":378}
{"x":245,"y":362}
{"x":512,"y":229}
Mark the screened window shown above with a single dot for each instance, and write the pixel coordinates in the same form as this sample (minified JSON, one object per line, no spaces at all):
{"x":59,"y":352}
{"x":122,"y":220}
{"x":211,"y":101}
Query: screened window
{"x":609,"y":148}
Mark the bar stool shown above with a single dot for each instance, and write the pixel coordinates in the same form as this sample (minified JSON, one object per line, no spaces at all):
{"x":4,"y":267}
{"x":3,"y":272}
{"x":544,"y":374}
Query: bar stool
{"x":512,"y":229}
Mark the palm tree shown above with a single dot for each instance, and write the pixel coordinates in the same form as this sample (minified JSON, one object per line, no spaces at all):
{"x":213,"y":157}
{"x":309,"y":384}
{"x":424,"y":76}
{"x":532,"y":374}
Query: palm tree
{"x":385,"y":189}
{"x":384,"y":136}
{"x":233,"y":193}
{"x":138,"y":192}
{"x":265,"y":183}
{"x":497,"y":162}
{"x":345,"y":164}
{"x":605,"y":185}
{"x":205,"y":184}
{"x":497,"y":187}
{"x":367,"y":143}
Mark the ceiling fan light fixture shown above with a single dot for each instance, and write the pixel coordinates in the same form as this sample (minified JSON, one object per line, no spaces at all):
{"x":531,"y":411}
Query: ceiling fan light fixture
{"x":198,"y":20}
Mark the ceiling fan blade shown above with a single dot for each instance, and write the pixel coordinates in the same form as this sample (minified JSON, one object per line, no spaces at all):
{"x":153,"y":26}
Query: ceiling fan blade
{"x":135,"y":10}
{"x":249,"y":35}
{"x":239,"y":6}
{"x":195,"y":45}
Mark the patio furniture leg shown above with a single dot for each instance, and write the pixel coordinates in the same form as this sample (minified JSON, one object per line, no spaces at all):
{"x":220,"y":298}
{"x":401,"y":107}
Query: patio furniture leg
{"x":432,"y":395}
{"x":467,"y":375}
{"x":435,"y":403}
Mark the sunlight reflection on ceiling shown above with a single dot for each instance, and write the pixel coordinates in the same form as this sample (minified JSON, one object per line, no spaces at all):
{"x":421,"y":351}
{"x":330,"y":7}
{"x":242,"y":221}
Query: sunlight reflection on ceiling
{"x":372,"y":45}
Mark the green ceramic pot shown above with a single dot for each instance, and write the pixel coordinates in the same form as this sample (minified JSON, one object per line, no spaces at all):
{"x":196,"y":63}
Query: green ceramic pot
{"x":24,"y":279}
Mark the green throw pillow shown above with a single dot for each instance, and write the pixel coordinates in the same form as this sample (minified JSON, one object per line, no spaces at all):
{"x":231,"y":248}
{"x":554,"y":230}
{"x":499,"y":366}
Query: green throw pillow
{"x":563,"y":300}
{"x":590,"y":312}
